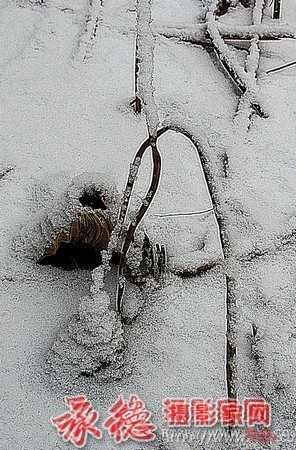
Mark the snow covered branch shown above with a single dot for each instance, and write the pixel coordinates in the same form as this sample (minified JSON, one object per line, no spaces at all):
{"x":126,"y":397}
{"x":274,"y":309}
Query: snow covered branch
{"x":145,"y":65}
{"x":198,"y":34}
{"x":215,"y":34}
{"x":243,"y":79}
{"x":257,"y":28}
{"x":252,"y":60}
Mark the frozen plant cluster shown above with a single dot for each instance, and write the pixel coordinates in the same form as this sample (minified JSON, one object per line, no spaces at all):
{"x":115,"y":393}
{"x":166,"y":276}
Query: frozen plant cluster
{"x":93,"y":340}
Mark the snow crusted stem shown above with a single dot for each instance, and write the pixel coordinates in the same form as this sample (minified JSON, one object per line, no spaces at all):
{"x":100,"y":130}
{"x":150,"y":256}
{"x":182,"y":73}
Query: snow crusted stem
{"x":243,"y":79}
{"x":252,"y":61}
{"x":198,"y":34}
{"x":150,"y":142}
{"x":145,"y":66}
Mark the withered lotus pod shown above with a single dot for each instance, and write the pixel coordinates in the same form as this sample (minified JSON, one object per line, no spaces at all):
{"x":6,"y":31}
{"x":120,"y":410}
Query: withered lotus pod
{"x":88,"y":234}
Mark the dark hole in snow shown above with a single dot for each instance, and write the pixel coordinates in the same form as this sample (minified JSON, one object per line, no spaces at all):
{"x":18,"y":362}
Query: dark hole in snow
{"x":74,"y":256}
{"x":94,"y":200}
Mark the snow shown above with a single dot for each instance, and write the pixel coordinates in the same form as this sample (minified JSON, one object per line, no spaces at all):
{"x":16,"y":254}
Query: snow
{"x":67,"y":77}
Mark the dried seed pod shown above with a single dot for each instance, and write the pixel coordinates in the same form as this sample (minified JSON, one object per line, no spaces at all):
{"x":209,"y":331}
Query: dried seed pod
{"x":93,"y":228}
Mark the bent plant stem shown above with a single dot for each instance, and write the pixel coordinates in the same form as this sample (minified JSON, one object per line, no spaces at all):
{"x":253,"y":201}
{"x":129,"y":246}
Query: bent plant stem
{"x":148,"y":199}
{"x":150,"y":142}
{"x":123,"y":246}
{"x":130,"y":184}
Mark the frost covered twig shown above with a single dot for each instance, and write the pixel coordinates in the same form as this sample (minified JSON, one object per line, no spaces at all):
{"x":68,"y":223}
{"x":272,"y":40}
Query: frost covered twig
{"x":243,"y":79}
{"x":144,"y":94}
{"x":124,"y":239}
{"x":257,"y":28}
{"x":92,"y":12}
{"x":193,"y":213}
{"x":252,"y":61}
{"x":227,"y":254}
{"x":198,"y":35}
{"x":144,"y":99}
{"x":215,"y":34}
{"x":145,"y":66}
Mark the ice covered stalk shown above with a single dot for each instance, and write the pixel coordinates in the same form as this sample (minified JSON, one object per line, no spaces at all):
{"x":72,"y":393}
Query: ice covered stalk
{"x":125,"y":241}
{"x":137,"y":101}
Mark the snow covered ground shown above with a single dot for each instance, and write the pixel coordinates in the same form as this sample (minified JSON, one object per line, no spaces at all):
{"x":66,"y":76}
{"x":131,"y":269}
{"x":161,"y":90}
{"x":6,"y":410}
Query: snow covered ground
{"x":67,"y":79}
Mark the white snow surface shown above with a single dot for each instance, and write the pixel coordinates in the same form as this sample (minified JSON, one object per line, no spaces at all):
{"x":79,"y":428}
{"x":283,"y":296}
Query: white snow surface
{"x":67,"y":78}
